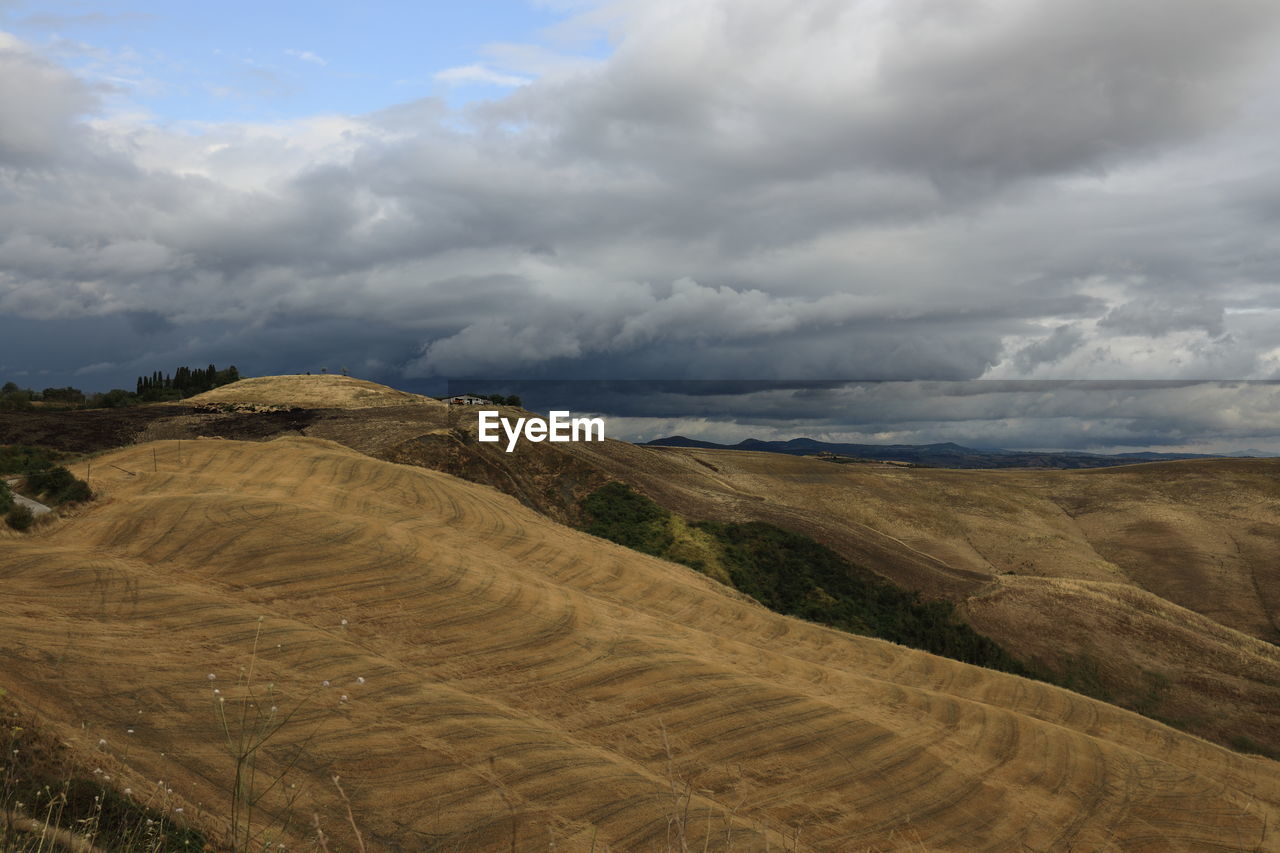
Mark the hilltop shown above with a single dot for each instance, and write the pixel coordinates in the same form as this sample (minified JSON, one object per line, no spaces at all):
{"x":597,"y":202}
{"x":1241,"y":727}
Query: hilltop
{"x":311,"y":392}
{"x":510,"y":682}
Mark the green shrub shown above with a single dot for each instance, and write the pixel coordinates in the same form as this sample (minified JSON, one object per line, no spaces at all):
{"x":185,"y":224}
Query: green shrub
{"x":58,"y":486}
{"x":619,"y":514}
{"x":19,"y":517}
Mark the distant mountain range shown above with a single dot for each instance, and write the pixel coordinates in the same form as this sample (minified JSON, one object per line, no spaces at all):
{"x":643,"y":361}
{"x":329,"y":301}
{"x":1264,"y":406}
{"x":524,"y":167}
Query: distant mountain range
{"x":944,"y":455}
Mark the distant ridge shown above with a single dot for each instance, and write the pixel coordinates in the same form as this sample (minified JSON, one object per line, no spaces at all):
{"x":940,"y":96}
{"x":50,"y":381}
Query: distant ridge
{"x":942,"y":455}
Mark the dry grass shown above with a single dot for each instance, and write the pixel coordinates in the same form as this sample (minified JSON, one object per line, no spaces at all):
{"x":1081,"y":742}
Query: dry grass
{"x":317,"y":392}
{"x":1162,"y":575}
{"x":511,"y":683}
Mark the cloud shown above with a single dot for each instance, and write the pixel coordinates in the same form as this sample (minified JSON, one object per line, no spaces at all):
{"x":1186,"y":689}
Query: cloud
{"x":480,"y":74}
{"x":1155,"y":317}
{"x":40,"y":103}
{"x":1063,"y":341}
{"x":1102,"y":416}
{"x":307,"y":56}
{"x":766,"y":190}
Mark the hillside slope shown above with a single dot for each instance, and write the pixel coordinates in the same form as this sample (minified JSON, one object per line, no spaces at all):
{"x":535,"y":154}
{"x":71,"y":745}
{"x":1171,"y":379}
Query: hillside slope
{"x":1088,"y":574}
{"x":1153,"y":586}
{"x":524,"y":683}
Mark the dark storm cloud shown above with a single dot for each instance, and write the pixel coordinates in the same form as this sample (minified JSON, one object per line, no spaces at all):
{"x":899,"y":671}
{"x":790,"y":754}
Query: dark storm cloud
{"x":148,"y":322}
{"x":774,"y":189}
{"x":1046,"y":414}
{"x":1062,"y":342}
{"x":1153,"y":317}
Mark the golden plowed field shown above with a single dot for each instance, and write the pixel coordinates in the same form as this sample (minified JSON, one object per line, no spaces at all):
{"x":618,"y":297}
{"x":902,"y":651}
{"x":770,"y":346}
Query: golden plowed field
{"x":307,"y":391}
{"x":527,"y":685}
{"x":1157,"y":584}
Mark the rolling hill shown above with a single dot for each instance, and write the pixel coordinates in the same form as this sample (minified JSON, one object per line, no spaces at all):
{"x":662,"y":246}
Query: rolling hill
{"x":1152,"y":585}
{"x":483,"y":678}
{"x":307,"y":391}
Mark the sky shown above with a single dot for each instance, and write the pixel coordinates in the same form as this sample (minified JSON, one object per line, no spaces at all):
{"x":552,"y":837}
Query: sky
{"x":701,"y":189}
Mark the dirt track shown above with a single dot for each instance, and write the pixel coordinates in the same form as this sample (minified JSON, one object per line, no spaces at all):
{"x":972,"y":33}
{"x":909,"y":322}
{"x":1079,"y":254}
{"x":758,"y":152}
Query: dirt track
{"x":522,"y":677}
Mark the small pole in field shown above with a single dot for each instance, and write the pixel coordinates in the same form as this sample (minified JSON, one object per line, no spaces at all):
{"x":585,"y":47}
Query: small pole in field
{"x":88,"y":467}
{"x":155,"y":466}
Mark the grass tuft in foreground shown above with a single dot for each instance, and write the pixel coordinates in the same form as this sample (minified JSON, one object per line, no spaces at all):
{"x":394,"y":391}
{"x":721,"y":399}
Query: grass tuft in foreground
{"x":49,"y":802}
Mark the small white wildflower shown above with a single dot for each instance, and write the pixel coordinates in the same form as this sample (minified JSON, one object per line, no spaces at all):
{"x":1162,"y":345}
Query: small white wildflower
{"x":360,"y":679}
{"x":324,"y":683}
{"x":128,"y":731}
{"x":344,"y":621}
{"x":178,"y":810}
{"x":216,"y":691}
{"x":97,"y":771}
{"x":102,"y":741}
{"x":344,"y":697}
{"x":273,"y":709}
{"x":128,"y":792}
{"x":106,"y":778}
{"x":212,"y":677}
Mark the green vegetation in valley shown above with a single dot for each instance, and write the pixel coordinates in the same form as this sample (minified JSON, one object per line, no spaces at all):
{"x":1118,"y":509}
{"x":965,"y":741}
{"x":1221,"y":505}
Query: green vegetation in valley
{"x":792,"y":574}
{"x":619,"y":514}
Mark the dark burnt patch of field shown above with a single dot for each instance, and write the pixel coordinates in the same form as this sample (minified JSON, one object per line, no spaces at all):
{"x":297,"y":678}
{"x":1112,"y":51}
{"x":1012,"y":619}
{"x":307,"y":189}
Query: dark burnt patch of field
{"x":82,"y":430}
{"x":254,"y":426}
